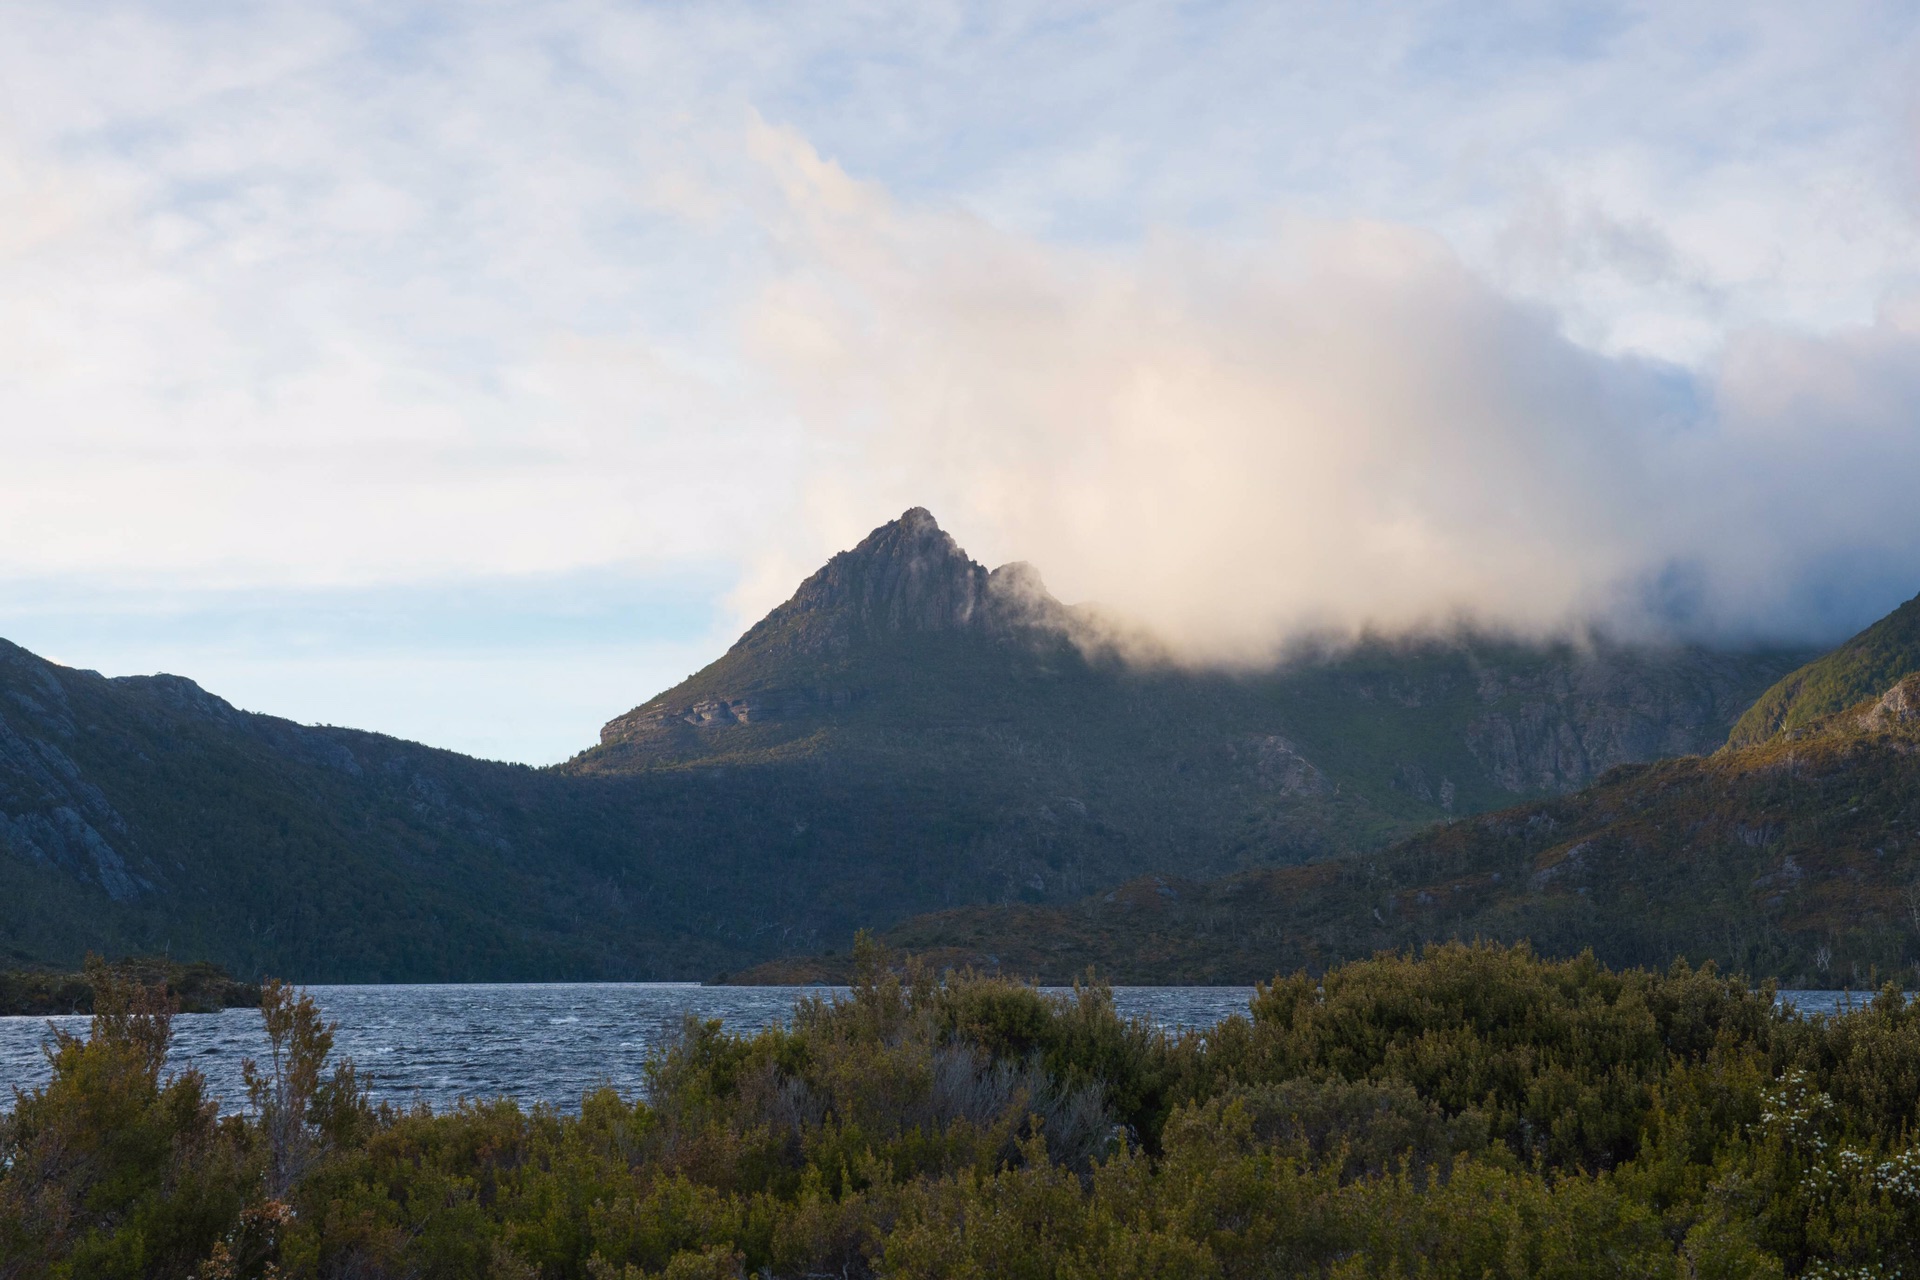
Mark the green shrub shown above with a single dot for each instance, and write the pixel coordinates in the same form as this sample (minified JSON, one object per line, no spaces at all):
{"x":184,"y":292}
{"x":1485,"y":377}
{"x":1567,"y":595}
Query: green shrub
{"x":1472,"y":1111}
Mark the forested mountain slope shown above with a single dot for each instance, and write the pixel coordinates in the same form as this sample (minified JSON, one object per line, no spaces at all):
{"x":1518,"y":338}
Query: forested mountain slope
{"x":1797,"y":858}
{"x":908,"y":733}
{"x":1858,"y":669}
{"x":145,"y":814}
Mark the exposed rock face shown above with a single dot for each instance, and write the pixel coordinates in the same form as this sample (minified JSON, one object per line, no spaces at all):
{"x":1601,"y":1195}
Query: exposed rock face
{"x":905,"y":576}
{"x":755,"y":708}
{"x":49,"y":812}
{"x":1279,"y":766}
{"x":1411,"y":777}
{"x":908,"y":575}
{"x":1899,"y":705}
{"x":1564,"y":727}
{"x":1862,"y":668}
{"x":1016,"y":597}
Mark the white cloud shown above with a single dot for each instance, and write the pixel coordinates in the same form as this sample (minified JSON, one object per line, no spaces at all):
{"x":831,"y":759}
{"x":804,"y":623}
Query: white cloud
{"x":1347,"y":426}
{"x":1342,"y":426}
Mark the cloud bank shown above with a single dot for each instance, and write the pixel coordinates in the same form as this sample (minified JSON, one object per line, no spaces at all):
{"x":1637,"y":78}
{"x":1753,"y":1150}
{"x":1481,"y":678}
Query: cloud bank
{"x":1340,"y":425}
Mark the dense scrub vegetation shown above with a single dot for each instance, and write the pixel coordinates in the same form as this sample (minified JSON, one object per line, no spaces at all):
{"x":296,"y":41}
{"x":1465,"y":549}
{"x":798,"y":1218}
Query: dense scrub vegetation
{"x":1797,"y":858}
{"x":194,"y":988}
{"x":1475,"y":1111}
{"x":1858,"y":669}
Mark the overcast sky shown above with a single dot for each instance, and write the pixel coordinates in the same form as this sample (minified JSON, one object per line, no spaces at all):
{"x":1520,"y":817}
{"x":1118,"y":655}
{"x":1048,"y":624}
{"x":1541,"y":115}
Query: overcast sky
{"x":472,"y":372}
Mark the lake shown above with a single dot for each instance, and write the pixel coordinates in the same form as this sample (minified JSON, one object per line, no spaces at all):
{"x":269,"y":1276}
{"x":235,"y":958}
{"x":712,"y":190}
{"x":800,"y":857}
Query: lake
{"x":542,"y":1042}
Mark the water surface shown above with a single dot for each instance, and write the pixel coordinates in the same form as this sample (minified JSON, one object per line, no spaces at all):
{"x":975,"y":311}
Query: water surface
{"x":538,"y":1042}
{"x":546,"y":1042}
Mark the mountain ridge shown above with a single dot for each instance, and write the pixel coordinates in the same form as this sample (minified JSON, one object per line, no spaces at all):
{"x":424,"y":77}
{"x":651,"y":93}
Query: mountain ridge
{"x":939,"y":735}
{"x":793,"y":663}
{"x":1859,"y":668}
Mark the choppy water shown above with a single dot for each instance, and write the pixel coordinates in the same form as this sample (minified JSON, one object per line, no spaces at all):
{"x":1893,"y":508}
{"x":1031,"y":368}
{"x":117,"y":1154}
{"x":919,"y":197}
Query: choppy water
{"x":542,"y":1042}
{"x":536,"y":1042}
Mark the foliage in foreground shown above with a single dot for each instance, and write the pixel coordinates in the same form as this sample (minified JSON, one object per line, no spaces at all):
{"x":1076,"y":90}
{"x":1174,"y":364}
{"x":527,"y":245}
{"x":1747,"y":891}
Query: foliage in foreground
{"x":1473,"y":1111}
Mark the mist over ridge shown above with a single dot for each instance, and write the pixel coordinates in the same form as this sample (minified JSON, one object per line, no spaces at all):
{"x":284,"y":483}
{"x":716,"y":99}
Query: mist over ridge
{"x":931,"y":582}
{"x":1338,"y":428}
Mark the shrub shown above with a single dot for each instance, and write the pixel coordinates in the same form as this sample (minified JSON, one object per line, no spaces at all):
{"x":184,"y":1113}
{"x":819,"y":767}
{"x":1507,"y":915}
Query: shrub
{"x":1467,"y":1111}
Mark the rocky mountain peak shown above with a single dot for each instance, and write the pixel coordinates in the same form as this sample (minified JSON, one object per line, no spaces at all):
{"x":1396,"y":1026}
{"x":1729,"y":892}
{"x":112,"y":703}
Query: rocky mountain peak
{"x":917,"y":521}
{"x":910,"y":552}
{"x":908,"y":575}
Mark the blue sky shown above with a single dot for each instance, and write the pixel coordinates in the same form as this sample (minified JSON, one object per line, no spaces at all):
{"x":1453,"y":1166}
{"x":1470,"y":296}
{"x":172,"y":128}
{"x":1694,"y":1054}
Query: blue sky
{"x":471,"y":372}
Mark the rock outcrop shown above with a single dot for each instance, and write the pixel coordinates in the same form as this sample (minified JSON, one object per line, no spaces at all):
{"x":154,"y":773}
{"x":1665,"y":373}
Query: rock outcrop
{"x":909,"y":575}
{"x":1899,"y":705}
{"x":1864,"y":667}
{"x":50,"y":812}
{"x":906,"y":578}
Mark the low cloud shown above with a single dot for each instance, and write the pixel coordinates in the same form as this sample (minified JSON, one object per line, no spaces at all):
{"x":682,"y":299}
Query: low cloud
{"x":1340,"y":425}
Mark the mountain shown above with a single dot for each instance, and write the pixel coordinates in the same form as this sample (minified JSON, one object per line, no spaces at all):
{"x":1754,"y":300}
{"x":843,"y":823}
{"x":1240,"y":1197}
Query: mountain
{"x":1053,"y":763}
{"x":1869,"y":662}
{"x":909,"y":732}
{"x":145,"y":814}
{"x":1796,"y":858}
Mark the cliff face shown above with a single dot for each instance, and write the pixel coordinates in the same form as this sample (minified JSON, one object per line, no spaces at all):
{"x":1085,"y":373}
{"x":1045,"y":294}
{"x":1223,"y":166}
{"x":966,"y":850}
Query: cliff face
{"x":906,"y":576}
{"x":1559,"y":727}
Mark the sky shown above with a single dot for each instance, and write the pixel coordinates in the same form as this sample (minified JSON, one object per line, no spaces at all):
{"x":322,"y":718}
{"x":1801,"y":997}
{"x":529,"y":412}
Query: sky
{"x":473,"y":372}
